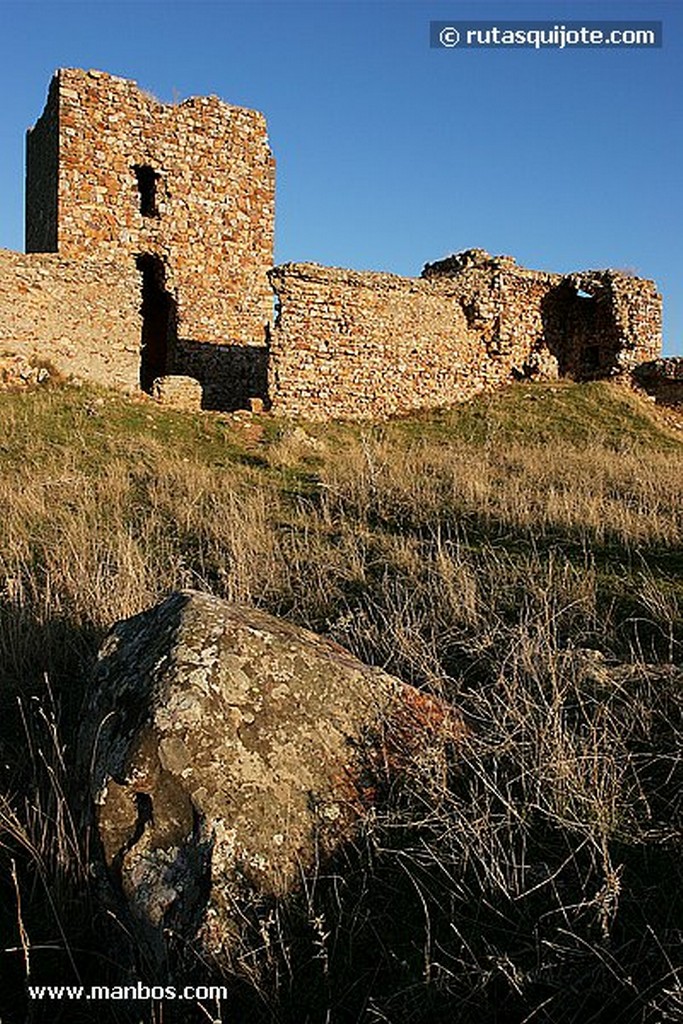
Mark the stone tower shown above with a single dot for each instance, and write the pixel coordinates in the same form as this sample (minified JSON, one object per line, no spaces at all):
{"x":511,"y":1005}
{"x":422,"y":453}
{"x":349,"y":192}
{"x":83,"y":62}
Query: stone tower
{"x":183,"y":192}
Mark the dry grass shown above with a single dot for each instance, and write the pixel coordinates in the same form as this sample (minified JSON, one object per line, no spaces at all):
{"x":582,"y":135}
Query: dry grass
{"x":480,"y":553}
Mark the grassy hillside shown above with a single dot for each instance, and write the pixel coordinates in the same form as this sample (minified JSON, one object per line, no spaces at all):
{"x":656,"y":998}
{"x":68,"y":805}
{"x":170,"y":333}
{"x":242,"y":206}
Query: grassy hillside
{"x":520,"y":555}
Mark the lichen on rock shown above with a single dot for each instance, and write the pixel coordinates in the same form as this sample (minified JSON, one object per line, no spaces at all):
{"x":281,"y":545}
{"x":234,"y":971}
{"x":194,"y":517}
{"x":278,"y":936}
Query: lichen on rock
{"x":227,"y":749}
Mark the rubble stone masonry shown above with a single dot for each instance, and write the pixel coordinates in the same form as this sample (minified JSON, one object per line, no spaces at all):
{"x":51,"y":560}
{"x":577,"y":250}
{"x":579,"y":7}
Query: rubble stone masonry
{"x":184,"y":191}
{"x":211,"y":182}
{"x":354,"y":344}
{"x":662,"y":379}
{"x":149,"y":230}
{"x":81,"y":316}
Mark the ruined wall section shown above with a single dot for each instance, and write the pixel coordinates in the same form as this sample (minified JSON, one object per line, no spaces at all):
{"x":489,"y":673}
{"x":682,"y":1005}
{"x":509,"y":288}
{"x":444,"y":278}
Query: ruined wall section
{"x":42,"y":166}
{"x":212,"y":176}
{"x":502,"y":303}
{"x":356,"y":345}
{"x":593,"y":324}
{"x":180,"y":198}
{"x":662,"y":379}
{"x":637,"y":309}
{"x":81,"y":317}
{"x":522,"y":334}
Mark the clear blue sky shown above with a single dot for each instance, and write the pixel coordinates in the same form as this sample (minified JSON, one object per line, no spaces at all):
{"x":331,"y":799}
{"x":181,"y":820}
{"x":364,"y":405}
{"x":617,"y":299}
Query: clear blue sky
{"x":389,"y":153}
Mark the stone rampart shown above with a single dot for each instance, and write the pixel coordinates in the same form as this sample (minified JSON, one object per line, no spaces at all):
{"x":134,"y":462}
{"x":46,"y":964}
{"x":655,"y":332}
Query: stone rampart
{"x":83,"y":316}
{"x":161,"y":220}
{"x":350,"y":344}
{"x":355,"y":344}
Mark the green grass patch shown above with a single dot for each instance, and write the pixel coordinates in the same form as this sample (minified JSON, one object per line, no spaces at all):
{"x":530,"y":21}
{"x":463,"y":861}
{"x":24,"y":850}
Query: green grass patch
{"x":595,"y":413}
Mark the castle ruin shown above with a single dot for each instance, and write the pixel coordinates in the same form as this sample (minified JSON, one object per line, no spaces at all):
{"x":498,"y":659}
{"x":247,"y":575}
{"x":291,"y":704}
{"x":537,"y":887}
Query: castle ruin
{"x":149,"y":238}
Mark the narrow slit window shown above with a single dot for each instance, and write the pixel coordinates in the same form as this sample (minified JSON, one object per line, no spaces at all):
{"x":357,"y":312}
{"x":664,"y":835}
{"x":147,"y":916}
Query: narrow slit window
{"x":147,"y":179}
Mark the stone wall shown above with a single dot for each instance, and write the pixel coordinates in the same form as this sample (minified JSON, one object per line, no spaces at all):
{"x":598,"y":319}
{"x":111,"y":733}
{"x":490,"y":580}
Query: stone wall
{"x":162,"y":217}
{"x":352,"y":344}
{"x":594,"y":323}
{"x":600,"y":323}
{"x":662,"y":379}
{"x":83,"y":317}
{"x":365,"y":344}
{"x":192,"y":184}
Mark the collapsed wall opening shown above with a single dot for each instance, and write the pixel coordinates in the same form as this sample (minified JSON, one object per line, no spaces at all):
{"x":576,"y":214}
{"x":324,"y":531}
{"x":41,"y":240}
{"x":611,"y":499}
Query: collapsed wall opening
{"x":159,"y":311}
{"x":581,"y":330}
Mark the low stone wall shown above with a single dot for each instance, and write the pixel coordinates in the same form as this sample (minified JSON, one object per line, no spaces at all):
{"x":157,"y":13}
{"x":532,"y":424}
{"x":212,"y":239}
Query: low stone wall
{"x":81,"y":316}
{"x":178,"y":392}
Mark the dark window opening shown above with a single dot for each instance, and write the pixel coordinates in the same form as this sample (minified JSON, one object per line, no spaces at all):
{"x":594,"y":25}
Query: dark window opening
{"x":147,"y":179}
{"x":159,"y":321}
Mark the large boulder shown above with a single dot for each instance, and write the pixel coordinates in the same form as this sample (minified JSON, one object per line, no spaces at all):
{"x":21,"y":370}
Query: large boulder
{"x":226,"y":750}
